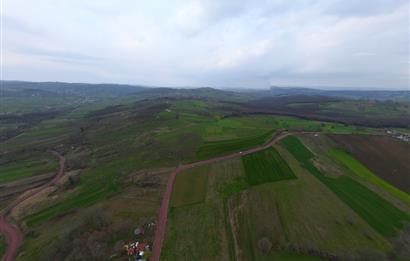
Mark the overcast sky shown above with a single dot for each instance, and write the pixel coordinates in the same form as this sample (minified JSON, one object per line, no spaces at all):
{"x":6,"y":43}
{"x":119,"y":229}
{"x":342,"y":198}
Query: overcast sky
{"x":219,"y":43}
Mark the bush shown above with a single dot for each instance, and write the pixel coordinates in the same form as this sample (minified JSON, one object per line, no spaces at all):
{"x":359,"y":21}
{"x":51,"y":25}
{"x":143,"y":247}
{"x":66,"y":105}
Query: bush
{"x":265,"y":245}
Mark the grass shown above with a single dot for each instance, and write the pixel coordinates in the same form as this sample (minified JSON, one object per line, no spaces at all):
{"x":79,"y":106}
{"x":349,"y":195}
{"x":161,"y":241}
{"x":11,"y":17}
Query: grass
{"x":189,"y":187}
{"x":377,"y":212}
{"x":81,"y":200}
{"x":95,"y":185}
{"x":290,"y":256}
{"x":364,"y":173}
{"x":211,"y":149}
{"x":193,"y":233}
{"x":266,"y":166}
{"x":19,"y":170}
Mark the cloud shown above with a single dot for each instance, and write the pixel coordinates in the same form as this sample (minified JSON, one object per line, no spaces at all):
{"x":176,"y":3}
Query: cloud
{"x":209,"y":42}
{"x":362,"y":7}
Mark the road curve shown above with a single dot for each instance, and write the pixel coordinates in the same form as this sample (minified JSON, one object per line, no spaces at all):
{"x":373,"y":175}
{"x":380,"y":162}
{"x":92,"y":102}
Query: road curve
{"x":10,"y":231}
{"x":163,"y":211}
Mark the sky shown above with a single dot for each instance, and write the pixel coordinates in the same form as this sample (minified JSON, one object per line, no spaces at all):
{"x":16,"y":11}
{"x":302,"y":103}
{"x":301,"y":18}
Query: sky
{"x":217,"y":43}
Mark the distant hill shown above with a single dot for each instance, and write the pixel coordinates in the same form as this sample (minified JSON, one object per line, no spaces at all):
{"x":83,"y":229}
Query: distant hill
{"x":47,"y":89}
{"x":381,"y":95}
{"x":20,"y":88}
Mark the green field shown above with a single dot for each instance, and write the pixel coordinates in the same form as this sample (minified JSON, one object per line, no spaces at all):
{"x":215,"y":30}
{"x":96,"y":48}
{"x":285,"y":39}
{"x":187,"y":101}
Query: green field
{"x":216,"y":148}
{"x":377,"y":212}
{"x":266,"y":166}
{"x":15,"y":171}
{"x":95,"y":185}
{"x":189,"y":187}
{"x":223,"y":136}
{"x":364,"y":173}
{"x":185,"y":238}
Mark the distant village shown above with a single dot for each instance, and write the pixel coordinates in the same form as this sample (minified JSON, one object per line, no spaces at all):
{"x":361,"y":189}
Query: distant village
{"x":398,"y":135}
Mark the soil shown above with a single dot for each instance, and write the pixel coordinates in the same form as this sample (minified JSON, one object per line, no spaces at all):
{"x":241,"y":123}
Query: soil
{"x":385,"y":156}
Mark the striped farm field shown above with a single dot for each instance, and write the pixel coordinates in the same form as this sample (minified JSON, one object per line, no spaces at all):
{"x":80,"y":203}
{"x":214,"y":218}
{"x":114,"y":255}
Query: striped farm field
{"x":376,"y":211}
{"x":266,"y":166}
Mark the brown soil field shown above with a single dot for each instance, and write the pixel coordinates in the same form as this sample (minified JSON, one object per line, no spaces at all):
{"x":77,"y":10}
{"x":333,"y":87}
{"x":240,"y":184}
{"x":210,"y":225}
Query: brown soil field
{"x":385,"y":156}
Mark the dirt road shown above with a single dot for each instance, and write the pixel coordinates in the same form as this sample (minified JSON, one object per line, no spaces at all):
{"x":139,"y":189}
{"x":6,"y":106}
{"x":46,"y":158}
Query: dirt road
{"x":163,"y":211}
{"x":10,"y":231}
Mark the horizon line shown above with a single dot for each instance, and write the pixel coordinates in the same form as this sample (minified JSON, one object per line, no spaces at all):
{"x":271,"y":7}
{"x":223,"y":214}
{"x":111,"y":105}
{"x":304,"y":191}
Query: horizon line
{"x":312,"y":87}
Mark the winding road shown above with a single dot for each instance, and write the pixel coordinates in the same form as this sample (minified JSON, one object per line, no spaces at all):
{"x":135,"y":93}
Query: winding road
{"x":163,"y":211}
{"x":10,"y":231}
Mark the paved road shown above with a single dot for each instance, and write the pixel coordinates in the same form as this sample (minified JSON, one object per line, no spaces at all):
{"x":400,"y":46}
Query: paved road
{"x":10,"y":231}
{"x":163,"y":211}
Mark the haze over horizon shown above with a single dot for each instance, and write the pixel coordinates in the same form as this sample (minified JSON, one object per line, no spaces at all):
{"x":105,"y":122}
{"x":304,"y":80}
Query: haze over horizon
{"x":251,"y":44}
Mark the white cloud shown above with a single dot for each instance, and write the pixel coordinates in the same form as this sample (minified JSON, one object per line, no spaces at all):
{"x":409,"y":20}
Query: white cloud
{"x":209,"y":42}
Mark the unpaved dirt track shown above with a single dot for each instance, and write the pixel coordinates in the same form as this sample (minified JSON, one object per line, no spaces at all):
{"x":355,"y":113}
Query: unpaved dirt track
{"x":10,"y":231}
{"x":163,"y":211}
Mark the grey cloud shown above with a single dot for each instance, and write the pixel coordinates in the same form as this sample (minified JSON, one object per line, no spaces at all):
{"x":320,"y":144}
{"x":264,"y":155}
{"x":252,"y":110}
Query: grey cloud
{"x":209,"y":42}
{"x":362,"y":7}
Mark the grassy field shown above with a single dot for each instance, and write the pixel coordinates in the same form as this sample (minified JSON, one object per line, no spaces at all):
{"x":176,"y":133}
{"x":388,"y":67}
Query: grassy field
{"x":363,"y":172}
{"x":95,"y":185}
{"x":216,"y":148}
{"x":266,"y":166}
{"x":222,"y":136}
{"x":190,"y":187}
{"x":377,"y":212}
{"x":185,"y":238}
{"x":18,"y":170}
